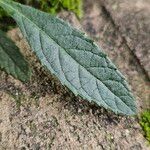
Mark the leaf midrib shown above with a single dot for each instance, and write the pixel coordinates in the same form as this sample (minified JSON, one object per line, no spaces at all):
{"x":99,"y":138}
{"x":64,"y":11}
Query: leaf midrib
{"x":7,"y":5}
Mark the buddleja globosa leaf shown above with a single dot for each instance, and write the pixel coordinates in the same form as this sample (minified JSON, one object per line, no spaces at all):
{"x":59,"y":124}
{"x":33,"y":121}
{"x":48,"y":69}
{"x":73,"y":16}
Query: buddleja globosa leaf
{"x":11,"y":60}
{"x":75,"y":59}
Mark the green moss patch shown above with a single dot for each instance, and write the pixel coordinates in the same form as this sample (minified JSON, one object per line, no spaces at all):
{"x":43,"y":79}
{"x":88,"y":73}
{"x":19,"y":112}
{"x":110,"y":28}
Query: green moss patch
{"x":53,"y":6}
{"x":145,"y":124}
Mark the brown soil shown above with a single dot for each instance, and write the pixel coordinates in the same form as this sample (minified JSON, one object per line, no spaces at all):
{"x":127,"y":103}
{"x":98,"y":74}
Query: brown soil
{"x":43,"y":114}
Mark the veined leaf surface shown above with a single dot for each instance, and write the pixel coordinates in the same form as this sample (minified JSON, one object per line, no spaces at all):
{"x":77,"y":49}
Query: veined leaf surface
{"x":11,"y":60}
{"x":75,"y":59}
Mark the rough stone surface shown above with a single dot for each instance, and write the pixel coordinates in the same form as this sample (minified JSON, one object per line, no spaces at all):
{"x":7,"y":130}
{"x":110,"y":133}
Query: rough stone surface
{"x":132,"y":17}
{"x":61,"y":122}
{"x":43,"y":114}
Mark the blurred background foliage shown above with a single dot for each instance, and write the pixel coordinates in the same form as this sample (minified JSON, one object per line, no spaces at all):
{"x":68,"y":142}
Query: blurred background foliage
{"x":50,"y":6}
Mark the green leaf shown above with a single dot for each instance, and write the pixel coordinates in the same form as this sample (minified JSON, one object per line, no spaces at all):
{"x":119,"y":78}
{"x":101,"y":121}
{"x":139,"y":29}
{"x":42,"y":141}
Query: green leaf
{"x":75,"y":59}
{"x":11,"y":60}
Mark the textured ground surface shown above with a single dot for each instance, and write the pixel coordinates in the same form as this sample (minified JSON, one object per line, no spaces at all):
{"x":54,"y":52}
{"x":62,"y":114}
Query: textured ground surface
{"x":133,"y":21}
{"x":43,"y":114}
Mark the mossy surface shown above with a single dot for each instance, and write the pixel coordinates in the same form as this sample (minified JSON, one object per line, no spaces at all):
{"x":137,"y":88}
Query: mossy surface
{"x":145,"y":124}
{"x":52,"y":6}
